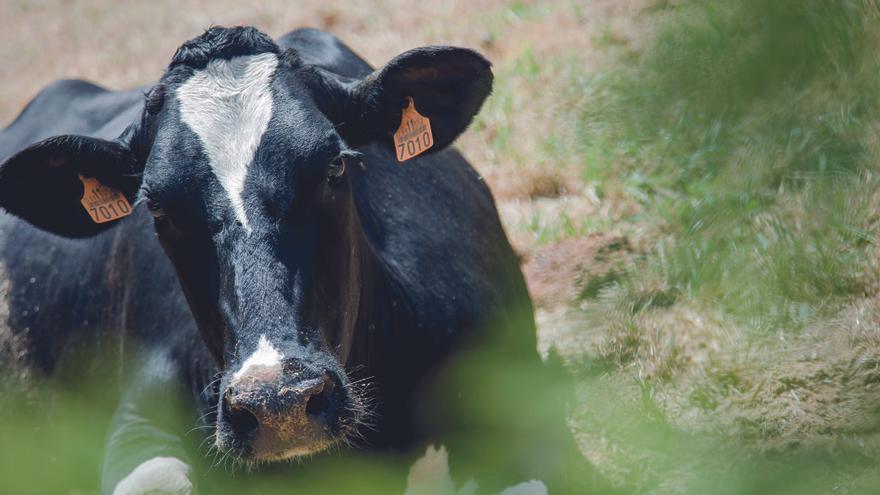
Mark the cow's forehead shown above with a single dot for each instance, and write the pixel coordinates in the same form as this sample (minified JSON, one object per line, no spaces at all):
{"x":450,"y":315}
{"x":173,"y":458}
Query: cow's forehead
{"x":228,"y":104}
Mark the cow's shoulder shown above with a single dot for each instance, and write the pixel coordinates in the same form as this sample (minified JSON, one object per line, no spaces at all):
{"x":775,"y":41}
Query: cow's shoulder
{"x":325,"y":50}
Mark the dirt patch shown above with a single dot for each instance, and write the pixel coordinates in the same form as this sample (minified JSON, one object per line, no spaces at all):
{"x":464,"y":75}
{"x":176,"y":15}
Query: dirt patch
{"x":573,"y":269}
{"x":534,"y":183}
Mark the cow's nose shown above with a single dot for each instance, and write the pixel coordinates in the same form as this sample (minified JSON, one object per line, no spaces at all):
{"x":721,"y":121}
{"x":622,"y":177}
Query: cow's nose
{"x":273,"y":417}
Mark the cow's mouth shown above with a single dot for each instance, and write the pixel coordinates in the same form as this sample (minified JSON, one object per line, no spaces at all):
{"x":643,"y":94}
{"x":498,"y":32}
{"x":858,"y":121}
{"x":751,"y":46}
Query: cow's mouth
{"x":295,"y":452}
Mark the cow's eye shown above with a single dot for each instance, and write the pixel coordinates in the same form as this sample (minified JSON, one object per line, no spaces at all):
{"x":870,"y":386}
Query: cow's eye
{"x":336,"y":169}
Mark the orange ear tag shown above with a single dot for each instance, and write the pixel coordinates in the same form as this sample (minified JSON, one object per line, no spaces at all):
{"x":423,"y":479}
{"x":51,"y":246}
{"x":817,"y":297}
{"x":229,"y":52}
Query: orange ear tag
{"x":104,"y":204}
{"x":414,"y":136}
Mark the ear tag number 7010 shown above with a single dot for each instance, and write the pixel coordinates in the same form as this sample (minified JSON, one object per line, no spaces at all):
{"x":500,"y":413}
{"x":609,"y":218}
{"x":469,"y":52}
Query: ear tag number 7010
{"x":414,"y":136}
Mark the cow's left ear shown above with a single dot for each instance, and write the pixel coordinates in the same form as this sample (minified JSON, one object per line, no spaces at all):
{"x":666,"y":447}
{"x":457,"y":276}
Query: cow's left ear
{"x":448,"y":86}
{"x":41,"y":184}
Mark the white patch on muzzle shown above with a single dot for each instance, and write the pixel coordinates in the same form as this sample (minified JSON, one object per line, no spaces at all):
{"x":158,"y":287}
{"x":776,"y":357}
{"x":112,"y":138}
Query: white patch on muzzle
{"x":157,"y":475}
{"x":266,"y":355}
{"x":228,"y":104}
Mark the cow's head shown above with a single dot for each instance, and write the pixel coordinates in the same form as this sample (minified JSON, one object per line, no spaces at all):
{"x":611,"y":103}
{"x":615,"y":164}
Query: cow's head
{"x":241,"y":156}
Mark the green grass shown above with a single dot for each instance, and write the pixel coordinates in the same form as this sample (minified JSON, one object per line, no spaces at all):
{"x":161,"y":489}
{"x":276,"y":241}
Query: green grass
{"x":747,"y":131}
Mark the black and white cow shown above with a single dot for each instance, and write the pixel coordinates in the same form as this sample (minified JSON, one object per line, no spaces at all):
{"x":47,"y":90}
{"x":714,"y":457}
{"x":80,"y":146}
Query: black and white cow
{"x":303,"y":256}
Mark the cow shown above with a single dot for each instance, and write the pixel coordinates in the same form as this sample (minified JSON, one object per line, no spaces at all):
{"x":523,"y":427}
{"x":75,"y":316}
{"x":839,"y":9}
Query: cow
{"x":297,"y":258}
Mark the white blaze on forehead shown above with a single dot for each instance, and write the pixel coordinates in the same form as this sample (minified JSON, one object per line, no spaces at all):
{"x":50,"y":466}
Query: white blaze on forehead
{"x":157,"y":475}
{"x":228,"y":105}
{"x":265,"y":355}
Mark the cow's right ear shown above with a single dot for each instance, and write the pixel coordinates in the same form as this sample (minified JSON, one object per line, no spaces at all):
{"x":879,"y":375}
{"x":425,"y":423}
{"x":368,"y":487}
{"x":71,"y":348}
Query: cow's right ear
{"x":41,"y":184}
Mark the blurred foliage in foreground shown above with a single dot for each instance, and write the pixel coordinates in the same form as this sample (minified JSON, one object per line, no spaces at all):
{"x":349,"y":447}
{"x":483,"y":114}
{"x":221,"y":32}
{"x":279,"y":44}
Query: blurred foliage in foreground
{"x":53,"y":436}
{"x":749,"y":130}
{"x":55,"y":444}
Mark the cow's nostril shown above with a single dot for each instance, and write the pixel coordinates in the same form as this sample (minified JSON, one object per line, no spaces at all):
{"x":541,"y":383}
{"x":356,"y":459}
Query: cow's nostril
{"x":243,"y":422}
{"x":319,"y":403}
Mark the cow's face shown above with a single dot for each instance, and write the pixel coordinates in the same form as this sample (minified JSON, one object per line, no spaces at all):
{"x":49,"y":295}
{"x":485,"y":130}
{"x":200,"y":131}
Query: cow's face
{"x":246,"y":179}
{"x":241,"y":157}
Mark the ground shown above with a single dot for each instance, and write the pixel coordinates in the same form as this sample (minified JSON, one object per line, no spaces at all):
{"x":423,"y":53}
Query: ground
{"x":643,"y":346}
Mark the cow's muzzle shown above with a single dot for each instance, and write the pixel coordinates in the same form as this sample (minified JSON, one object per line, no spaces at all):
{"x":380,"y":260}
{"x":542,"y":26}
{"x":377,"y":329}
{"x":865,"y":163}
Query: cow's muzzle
{"x":270,"y":415}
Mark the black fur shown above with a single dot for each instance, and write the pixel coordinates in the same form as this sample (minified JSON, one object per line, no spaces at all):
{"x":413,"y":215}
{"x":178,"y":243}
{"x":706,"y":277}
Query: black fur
{"x":219,"y":42}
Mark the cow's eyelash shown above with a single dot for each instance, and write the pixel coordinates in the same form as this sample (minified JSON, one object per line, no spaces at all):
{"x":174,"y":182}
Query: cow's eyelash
{"x":153,"y":206}
{"x":351,"y":155}
{"x":155,"y":209}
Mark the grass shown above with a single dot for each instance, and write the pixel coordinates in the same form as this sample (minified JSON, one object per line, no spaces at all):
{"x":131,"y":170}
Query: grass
{"x":754,"y":155}
{"x":737,"y":144}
